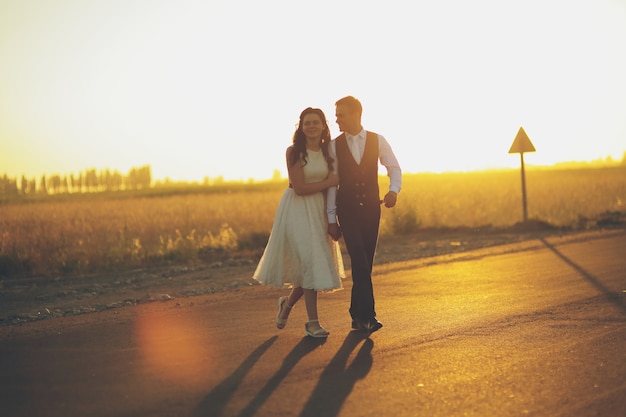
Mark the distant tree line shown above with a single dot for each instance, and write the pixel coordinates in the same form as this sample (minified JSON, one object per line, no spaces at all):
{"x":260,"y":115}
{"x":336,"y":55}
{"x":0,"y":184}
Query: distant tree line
{"x":88,"y":181}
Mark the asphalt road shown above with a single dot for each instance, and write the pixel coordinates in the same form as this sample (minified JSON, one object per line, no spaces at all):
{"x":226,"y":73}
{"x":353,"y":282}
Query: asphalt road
{"x":523,"y":330}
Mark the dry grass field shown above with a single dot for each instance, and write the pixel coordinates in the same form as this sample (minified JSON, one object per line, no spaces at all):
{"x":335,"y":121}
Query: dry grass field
{"x":81,"y":234}
{"x":562,"y":198}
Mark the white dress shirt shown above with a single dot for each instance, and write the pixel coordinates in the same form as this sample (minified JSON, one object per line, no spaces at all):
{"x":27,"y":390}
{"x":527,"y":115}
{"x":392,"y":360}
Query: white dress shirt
{"x":356,"y":145}
{"x":385,"y":155}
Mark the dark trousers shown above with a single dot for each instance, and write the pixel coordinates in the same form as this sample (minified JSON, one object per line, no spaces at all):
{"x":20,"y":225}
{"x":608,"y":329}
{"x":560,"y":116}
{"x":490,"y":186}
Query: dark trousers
{"x":359,"y":226}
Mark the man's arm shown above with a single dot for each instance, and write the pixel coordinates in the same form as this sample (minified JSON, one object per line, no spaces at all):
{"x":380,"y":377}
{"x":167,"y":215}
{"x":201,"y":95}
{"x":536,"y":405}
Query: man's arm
{"x":331,"y":198}
{"x":390,"y":162}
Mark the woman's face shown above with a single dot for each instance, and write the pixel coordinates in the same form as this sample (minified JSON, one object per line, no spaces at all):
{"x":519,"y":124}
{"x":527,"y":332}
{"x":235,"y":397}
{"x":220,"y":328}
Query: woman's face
{"x":312,"y":126}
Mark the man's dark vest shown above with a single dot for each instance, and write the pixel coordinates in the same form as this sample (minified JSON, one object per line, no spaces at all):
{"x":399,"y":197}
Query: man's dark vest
{"x":358,"y":183}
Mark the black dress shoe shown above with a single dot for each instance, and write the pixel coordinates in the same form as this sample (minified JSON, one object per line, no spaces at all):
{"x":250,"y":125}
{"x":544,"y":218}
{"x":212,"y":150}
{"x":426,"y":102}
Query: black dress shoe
{"x":358,"y":325}
{"x":374,"y":325}
{"x":371,"y":326}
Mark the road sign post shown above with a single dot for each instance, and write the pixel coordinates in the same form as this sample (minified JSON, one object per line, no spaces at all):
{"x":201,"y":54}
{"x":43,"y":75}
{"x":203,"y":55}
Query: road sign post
{"x":520,"y":145}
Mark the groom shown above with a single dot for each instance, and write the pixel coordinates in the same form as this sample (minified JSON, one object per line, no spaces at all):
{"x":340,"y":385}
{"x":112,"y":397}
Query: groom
{"x":354,"y":205}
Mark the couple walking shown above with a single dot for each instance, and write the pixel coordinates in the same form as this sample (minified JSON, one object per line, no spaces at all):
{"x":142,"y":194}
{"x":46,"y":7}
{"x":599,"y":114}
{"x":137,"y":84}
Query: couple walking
{"x":333,"y":192}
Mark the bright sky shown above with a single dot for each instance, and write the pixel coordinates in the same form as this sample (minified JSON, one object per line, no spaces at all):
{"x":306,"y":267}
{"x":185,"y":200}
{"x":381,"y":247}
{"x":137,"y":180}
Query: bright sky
{"x":213,"y":88}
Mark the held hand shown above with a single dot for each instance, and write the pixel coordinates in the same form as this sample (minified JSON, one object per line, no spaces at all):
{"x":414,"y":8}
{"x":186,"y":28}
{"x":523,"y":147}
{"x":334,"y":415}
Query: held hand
{"x":334,"y":231}
{"x":390,"y":199}
{"x":333,"y":179}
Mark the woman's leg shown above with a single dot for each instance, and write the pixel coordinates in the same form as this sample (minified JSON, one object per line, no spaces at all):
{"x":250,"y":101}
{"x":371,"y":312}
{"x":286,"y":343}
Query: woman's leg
{"x":310,"y":300}
{"x":291,"y":300}
{"x":313,"y":327}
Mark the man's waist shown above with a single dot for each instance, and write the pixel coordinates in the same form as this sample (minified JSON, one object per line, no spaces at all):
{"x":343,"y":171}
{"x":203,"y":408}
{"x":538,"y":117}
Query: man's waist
{"x":358,"y":185}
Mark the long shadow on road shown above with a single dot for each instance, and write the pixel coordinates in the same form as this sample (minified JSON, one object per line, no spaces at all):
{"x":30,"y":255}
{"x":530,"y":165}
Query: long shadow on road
{"x":304,"y":347}
{"x":214,"y":402}
{"x":333,"y":388}
{"x":610,"y":295}
{"x":337,"y":380}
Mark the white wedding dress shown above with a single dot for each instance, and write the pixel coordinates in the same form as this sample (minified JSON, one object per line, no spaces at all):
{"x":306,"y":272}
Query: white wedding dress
{"x":299,"y":250}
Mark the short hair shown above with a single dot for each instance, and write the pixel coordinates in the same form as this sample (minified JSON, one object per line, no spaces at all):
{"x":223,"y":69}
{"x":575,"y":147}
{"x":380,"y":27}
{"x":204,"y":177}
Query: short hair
{"x":351,"y":103}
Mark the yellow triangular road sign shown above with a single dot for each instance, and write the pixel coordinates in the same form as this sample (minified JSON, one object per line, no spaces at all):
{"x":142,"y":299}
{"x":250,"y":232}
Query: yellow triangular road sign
{"x":521,"y":143}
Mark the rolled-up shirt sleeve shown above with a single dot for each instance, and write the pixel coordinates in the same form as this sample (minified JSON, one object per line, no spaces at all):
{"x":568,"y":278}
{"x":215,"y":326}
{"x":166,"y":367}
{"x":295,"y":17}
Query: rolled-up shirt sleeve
{"x":331,"y":193}
{"x":390,"y":162}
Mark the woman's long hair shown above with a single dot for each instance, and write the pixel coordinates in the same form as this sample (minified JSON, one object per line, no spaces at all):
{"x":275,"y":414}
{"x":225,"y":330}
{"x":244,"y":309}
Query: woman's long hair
{"x":299,"y":139}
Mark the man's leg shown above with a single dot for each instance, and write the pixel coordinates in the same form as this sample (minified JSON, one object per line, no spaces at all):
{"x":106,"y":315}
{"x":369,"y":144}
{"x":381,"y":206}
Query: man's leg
{"x":360,"y":233}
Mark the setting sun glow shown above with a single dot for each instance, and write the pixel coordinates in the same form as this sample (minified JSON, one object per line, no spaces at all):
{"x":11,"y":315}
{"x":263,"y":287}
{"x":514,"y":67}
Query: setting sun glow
{"x":213,"y":88}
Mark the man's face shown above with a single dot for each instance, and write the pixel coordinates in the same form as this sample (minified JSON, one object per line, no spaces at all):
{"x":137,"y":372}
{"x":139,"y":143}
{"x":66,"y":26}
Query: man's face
{"x":347,"y":120}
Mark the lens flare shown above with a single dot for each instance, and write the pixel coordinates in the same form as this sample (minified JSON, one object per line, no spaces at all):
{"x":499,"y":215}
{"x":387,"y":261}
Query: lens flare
{"x":174,"y":347}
